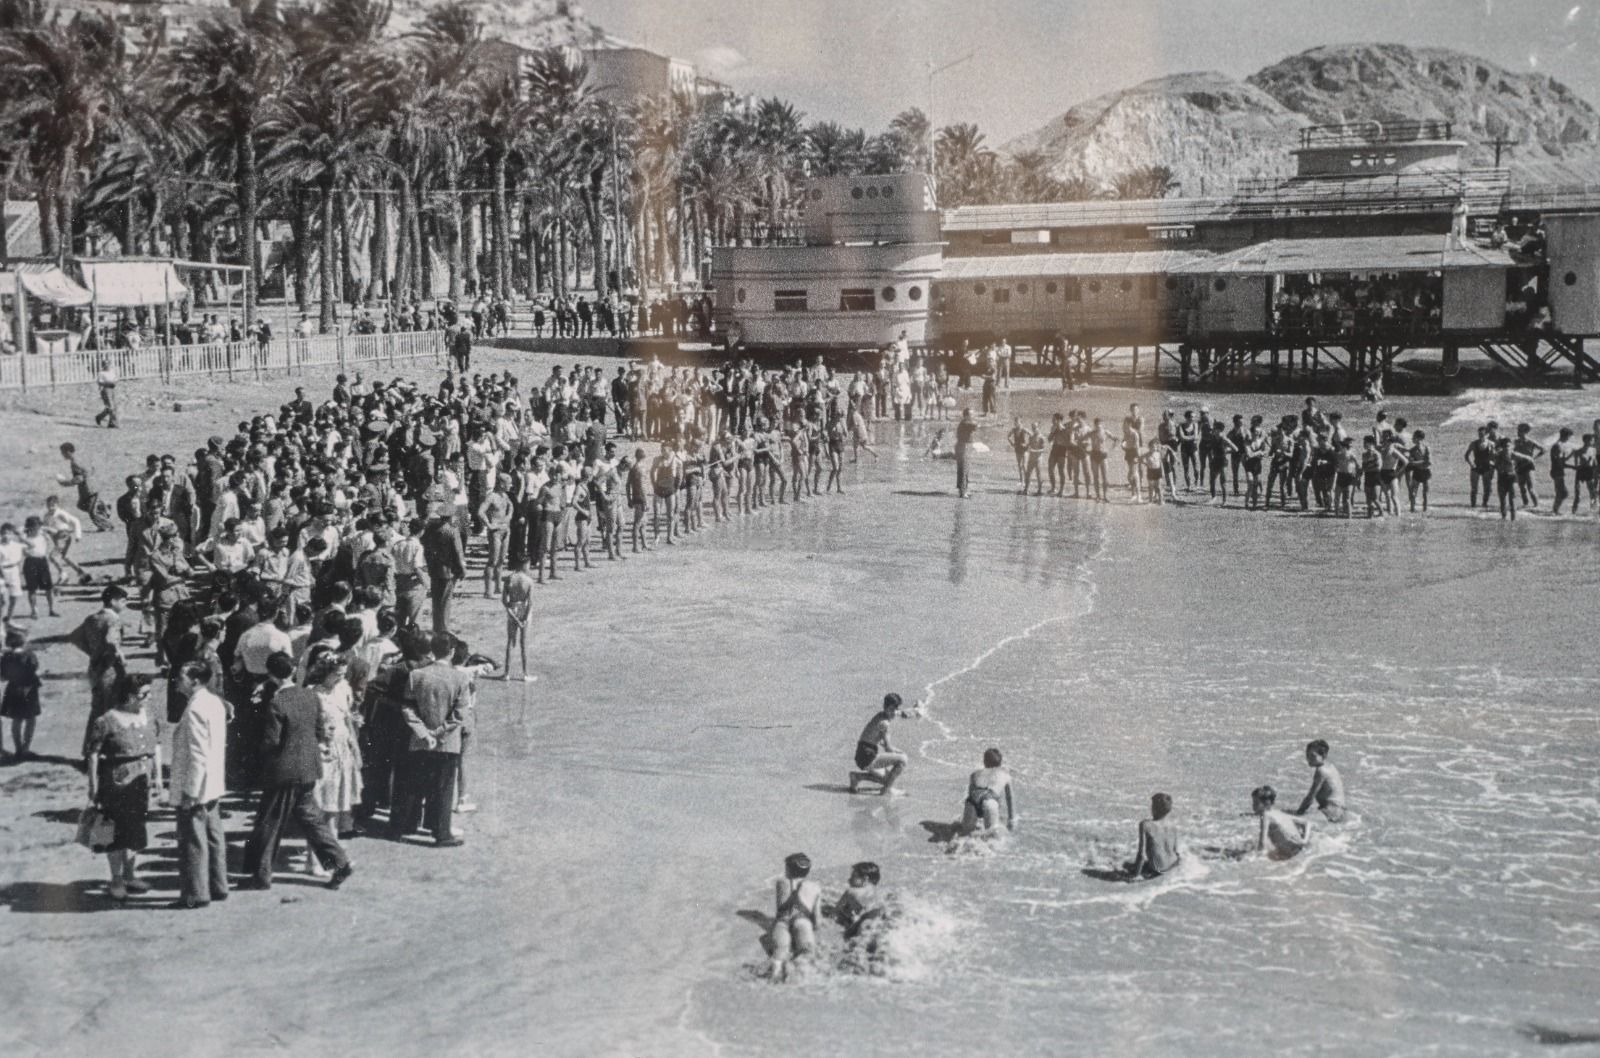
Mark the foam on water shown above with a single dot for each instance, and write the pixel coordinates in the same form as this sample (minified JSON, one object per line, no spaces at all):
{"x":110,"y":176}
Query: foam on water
{"x":1545,"y":410}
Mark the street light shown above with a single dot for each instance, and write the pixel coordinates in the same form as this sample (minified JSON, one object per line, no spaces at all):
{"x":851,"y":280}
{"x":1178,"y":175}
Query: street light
{"x":932,"y":72}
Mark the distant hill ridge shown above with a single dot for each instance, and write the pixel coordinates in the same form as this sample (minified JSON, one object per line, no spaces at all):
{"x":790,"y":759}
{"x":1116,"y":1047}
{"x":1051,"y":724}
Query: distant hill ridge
{"x":1213,"y":130}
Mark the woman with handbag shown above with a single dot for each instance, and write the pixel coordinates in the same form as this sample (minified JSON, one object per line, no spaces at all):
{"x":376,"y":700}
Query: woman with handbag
{"x":124,"y":752}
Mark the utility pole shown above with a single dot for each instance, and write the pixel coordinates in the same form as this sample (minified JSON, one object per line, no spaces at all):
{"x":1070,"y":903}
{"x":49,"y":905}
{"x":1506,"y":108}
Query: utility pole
{"x":616,"y":202}
{"x":933,"y":71}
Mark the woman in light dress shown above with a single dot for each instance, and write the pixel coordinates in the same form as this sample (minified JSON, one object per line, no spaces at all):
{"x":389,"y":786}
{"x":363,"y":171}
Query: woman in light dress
{"x":339,"y":789}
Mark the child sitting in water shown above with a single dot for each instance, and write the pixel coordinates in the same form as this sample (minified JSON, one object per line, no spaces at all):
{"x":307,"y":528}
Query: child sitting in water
{"x":1285,"y":834}
{"x":1327,"y":788}
{"x":1158,"y":842}
{"x":984,"y":790}
{"x":865,"y":914}
{"x":794,"y":925}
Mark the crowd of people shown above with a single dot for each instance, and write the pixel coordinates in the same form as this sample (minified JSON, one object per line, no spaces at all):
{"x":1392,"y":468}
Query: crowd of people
{"x":296,"y":583}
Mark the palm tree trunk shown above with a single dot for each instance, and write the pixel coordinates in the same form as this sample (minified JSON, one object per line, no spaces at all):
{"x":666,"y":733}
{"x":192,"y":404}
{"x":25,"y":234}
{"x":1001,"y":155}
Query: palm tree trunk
{"x":402,"y":247}
{"x":300,"y":229}
{"x":248,"y":192}
{"x":378,"y":255}
{"x":47,"y":220}
{"x":346,"y":285}
{"x":329,"y":254}
{"x":559,"y":284}
{"x":453,"y":210}
{"x":501,"y":223}
{"x":421,"y":261}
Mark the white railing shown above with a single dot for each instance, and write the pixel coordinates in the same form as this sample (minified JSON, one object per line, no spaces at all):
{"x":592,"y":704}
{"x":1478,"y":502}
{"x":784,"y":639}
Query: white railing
{"x":220,"y":359}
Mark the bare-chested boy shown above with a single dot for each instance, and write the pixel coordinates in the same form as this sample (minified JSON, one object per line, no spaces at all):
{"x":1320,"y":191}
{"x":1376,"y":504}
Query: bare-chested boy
{"x":1282,"y":835}
{"x":1158,"y":842}
{"x":985,"y":788}
{"x":1327,"y":788}
{"x":516,"y":595}
{"x":878,"y":760}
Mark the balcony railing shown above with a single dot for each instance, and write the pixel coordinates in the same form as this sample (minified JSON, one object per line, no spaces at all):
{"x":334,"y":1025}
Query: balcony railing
{"x":1364,"y":133}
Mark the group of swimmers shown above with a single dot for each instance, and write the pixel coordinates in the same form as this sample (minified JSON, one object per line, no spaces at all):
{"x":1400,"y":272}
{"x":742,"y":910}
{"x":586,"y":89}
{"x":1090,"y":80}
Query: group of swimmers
{"x":864,"y":911}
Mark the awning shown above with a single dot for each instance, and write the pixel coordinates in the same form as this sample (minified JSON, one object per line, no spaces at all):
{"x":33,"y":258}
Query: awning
{"x":1367,"y":253}
{"x":128,"y":284}
{"x":1049,"y":265}
{"x":45,"y":282}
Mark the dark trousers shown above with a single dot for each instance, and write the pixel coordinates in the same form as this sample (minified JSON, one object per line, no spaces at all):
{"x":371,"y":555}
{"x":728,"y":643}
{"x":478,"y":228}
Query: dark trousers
{"x":426,"y":793}
{"x":202,"y":853}
{"x":442,"y":589}
{"x":279,"y":804}
{"x":961,"y":468}
{"x":408,"y":597}
{"x":383,"y":748}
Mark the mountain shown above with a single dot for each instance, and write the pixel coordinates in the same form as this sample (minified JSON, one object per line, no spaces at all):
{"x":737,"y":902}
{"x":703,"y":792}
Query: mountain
{"x":528,"y":23}
{"x":1207,"y":127}
{"x":1212,"y":130}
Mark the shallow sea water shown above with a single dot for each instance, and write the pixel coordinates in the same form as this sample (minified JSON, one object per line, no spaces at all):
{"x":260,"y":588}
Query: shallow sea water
{"x":1114,"y":651}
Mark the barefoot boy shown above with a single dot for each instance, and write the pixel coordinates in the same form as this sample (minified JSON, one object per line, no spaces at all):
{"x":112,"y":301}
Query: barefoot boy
{"x":878,"y":760}
{"x":516,"y":595}
{"x":1327,"y":788}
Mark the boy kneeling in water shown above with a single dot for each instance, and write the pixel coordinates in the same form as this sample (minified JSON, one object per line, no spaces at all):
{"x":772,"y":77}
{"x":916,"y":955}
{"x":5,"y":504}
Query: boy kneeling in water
{"x":794,"y":926}
{"x":880,"y":762}
{"x":1158,"y":842}
{"x":1285,"y":834}
{"x":985,"y":787}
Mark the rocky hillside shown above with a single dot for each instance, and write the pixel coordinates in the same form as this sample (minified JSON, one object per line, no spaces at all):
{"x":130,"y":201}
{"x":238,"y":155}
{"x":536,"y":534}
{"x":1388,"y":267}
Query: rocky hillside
{"x":1212,"y":130}
{"x":528,"y":23}
{"x":1207,"y":127}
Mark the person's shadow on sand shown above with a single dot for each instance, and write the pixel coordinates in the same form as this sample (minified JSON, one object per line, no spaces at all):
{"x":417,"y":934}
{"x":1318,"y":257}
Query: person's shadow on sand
{"x":55,"y":898}
{"x":832,"y":787}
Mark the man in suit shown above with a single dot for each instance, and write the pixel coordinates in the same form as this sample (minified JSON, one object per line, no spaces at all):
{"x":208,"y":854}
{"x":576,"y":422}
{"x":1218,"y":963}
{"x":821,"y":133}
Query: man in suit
{"x":435,"y":711}
{"x":199,"y":748}
{"x":441,"y":548}
{"x":291,"y":764}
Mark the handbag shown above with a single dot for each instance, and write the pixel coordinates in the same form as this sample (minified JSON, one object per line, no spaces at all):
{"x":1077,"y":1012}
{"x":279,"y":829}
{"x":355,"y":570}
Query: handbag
{"x":96,"y":830}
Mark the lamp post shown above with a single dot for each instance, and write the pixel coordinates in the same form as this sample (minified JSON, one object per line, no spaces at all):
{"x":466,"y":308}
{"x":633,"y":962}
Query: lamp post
{"x":934,"y":71}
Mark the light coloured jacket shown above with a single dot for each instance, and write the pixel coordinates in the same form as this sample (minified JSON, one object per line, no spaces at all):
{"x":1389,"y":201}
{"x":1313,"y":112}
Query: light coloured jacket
{"x":198,"y":749}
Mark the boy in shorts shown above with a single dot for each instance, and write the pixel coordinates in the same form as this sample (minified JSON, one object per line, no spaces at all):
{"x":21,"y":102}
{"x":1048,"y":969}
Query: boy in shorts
{"x":516,"y":595}
{"x":879,"y":762}
{"x":1158,"y":842}
{"x":1282,"y":835}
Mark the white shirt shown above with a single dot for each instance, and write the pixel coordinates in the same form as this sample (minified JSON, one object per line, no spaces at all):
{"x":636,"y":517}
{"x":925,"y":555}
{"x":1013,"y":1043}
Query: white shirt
{"x":259,"y":642}
{"x":61,"y":521}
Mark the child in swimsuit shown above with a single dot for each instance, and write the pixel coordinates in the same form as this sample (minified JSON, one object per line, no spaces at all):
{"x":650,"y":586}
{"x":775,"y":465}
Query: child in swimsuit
{"x":1158,"y":842}
{"x":879,"y":762}
{"x":1327,"y":788}
{"x":794,"y":926}
{"x":1282,"y":835}
{"x":985,"y":787}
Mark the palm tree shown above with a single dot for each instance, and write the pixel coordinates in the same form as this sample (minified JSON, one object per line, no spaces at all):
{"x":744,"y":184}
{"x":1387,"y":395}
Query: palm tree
{"x":224,"y":78}
{"x":61,"y":85}
{"x":449,"y":51}
{"x":1029,"y":178}
{"x":562,"y":145}
{"x":1149,"y":181}
{"x":779,"y":142}
{"x":834,"y":151}
{"x":909,"y":130}
{"x":968,"y":171}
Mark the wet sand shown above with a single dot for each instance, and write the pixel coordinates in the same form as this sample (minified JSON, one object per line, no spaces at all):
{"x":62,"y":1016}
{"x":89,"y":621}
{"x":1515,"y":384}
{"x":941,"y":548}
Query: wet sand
{"x":692,"y":723}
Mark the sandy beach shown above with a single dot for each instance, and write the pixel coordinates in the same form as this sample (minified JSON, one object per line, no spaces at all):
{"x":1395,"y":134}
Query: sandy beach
{"x":691,"y":724}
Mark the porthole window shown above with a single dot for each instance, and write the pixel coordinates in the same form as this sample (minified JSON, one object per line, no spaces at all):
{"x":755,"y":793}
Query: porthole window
{"x":1219,"y":285}
{"x":1050,"y":287}
{"x":1022,"y":288}
{"x":856,"y":192}
{"x":980,"y":289}
{"x":915,"y":293}
{"x":1126,"y":285}
{"x":1172,"y":282}
{"x":739,"y":295}
{"x":1571,"y":279}
{"x":1094,"y":286}
{"x":887,"y":294}
{"x":872,"y":192}
{"x":816,"y":194}
{"x":888,"y":190}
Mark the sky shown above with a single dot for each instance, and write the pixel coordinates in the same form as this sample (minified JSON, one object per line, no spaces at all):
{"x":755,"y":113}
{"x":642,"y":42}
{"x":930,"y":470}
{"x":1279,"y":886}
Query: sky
{"x":859,"y":62}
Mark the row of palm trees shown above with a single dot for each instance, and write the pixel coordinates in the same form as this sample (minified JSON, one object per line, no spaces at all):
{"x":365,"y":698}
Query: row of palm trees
{"x":499,"y":166}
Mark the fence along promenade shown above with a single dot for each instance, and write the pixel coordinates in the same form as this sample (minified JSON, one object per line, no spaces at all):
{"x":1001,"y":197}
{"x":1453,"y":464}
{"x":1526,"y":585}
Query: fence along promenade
{"x":219,"y":359}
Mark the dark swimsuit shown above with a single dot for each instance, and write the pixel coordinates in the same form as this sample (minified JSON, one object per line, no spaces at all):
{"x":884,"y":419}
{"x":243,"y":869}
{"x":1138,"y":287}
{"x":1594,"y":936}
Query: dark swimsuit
{"x":866,"y":753}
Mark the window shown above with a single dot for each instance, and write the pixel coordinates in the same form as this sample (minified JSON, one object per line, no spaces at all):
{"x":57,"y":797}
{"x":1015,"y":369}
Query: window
{"x":739,"y":296}
{"x":857,"y":300}
{"x":887,"y":293}
{"x":788,"y":301}
{"x":1002,"y":296}
{"x":888,"y":190}
{"x":1022,"y":288}
{"x":1571,"y":279}
{"x":1126,"y":285}
{"x":855,"y":192}
{"x":1094,"y":286}
{"x":915,"y":293}
{"x":1050,"y":287}
{"x":1172,"y":282}
{"x":1074,"y":292}
{"x":1147,"y":287}
{"x":1219,"y":285}
{"x":872,"y":192}
{"x":816,"y":194}
{"x":979,"y":289}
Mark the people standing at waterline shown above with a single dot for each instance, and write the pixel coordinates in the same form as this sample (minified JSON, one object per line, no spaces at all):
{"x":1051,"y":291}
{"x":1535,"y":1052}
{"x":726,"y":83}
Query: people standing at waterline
{"x":966,"y":435}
